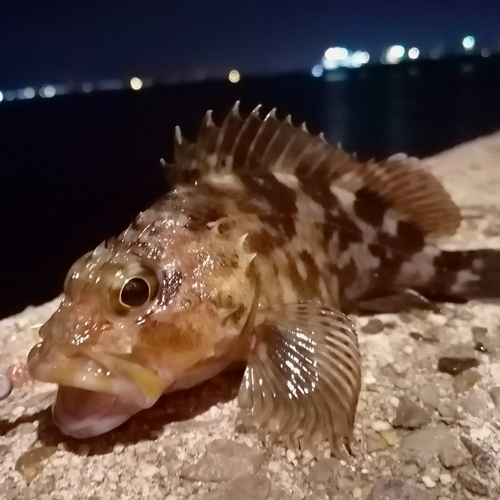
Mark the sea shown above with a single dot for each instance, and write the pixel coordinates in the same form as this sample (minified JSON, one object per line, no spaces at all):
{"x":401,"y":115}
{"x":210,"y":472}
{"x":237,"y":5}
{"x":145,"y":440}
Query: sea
{"x":75,"y":169}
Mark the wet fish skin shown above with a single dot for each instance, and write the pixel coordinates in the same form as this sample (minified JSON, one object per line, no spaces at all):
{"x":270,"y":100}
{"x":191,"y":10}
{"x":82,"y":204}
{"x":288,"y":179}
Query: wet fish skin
{"x":268,"y":237}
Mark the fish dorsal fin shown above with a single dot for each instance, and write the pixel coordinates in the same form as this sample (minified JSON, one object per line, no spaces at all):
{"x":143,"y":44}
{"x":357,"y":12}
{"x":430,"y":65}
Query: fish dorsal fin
{"x":269,"y":144}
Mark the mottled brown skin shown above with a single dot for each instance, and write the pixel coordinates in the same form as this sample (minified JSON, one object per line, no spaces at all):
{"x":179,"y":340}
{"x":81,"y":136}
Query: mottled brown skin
{"x":267,"y":237}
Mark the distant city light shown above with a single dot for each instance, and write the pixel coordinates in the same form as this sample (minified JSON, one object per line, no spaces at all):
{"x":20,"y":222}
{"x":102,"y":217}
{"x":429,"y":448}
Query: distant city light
{"x":136,"y":83}
{"x":336,"y":53}
{"x":48,"y":91}
{"x":234,"y":76}
{"x":394,"y":54}
{"x":329,"y":63}
{"x":359,"y":58}
{"x":317,"y":70}
{"x":413,"y":53}
{"x":1,"y":96}
{"x":336,"y":57}
{"x":468,"y":42}
{"x":29,"y":93}
{"x":9,"y":95}
{"x":486,"y":52}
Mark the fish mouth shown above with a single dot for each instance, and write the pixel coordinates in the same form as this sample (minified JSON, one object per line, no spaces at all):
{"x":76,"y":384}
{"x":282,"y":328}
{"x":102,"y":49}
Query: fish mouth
{"x":97,"y":391}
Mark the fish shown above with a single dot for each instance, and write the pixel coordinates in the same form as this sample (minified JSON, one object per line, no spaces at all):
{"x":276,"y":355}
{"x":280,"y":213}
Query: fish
{"x":269,"y":238}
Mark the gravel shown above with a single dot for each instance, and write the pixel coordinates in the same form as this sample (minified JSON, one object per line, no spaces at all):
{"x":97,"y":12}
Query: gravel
{"x":189,"y":446}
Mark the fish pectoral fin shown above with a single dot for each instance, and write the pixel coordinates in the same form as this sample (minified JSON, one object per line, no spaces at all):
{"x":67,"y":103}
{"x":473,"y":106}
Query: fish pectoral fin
{"x":303,"y":376}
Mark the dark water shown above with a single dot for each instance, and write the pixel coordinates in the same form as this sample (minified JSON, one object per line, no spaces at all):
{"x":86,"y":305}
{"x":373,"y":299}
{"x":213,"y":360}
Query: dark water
{"x":76,"y":169}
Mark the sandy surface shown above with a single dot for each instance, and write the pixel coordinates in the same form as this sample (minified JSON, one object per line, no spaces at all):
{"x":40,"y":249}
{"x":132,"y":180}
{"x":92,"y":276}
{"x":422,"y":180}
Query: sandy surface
{"x":421,"y":434}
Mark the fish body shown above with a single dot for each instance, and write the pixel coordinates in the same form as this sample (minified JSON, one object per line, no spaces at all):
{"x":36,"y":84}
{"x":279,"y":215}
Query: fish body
{"x":268,"y":237}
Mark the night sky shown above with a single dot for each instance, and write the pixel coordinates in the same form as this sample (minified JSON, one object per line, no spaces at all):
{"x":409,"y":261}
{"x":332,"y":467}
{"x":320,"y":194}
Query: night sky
{"x":56,"y":41}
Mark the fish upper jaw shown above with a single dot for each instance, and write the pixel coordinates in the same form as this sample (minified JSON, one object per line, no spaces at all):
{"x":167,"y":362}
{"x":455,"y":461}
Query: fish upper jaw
{"x":93,"y":370}
{"x":97,"y":391}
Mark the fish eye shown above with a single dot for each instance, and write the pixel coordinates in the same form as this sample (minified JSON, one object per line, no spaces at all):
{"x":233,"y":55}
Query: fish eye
{"x":126,"y":289}
{"x":135,"y":292}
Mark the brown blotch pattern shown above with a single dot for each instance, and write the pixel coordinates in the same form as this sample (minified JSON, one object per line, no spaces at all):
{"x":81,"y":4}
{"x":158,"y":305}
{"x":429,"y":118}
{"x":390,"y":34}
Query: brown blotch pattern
{"x":370,"y":207}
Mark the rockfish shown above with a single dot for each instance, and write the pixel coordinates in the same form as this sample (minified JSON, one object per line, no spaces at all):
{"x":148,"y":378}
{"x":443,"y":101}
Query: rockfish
{"x":268,"y":239}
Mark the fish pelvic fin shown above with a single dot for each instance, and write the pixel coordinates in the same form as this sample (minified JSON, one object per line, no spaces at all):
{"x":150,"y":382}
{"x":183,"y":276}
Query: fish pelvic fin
{"x":303,"y":376}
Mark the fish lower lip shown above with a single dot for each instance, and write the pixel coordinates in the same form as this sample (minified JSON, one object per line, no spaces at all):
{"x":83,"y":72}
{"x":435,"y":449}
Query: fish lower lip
{"x":80,"y":413}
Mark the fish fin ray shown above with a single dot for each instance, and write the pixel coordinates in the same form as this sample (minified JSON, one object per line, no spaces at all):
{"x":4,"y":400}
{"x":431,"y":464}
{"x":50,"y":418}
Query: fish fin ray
{"x":303,"y":375}
{"x":406,"y":186}
{"x":399,"y":182}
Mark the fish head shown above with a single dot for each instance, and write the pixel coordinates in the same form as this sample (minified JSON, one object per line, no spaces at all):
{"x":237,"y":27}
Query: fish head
{"x":133,"y":325}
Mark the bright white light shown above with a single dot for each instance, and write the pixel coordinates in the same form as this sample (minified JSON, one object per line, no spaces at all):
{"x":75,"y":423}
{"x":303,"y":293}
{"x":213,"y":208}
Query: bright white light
{"x":486,"y":52}
{"x":336,"y":53}
{"x":317,"y":70}
{"x":468,"y":42}
{"x":48,"y":91}
{"x":413,"y":53}
{"x":329,"y":63}
{"x":359,"y":58}
{"x":394,"y":54}
{"x":1,"y":96}
{"x":29,"y":93}
{"x":234,"y":76}
{"x":136,"y":83}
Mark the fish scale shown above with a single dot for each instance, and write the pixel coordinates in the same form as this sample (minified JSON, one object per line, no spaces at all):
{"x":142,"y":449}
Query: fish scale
{"x":268,"y":237}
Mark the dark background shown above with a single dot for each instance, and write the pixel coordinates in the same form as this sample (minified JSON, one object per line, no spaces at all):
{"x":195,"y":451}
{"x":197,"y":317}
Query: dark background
{"x":60,"y":40}
{"x":75,"y":169}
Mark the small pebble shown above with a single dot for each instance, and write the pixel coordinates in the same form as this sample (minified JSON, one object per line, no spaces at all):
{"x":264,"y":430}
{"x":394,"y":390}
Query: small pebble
{"x":373,"y":326}
{"x":147,"y":470}
{"x":394,"y":401}
{"x":410,"y":470}
{"x":390,"y":437}
{"x":98,"y":477}
{"x":450,"y":456}
{"x":429,"y":483}
{"x":455,"y":366}
{"x":374,"y":442}
{"x":409,"y":415}
{"x":356,"y":493}
{"x":381,"y":425}
{"x":466,"y":380}
{"x":445,"y":479}
{"x":448,"y":411}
